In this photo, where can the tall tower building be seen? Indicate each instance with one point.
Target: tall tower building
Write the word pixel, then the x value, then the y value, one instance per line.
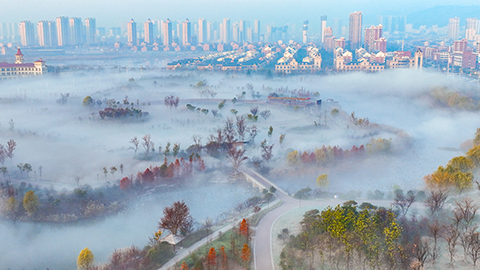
pixel 202 31
pixel 148 31
pixel 453 28
pixel 355 30
pixel 209 31
pixel 241 31
pixel 323 26
pixel 90 31
pixel 63 33
pixel 76 31
pixel 305 32
pixel 132 32
pixel 337 27
pixel 186 33
pixel 473 23
pixel 371 35
pixel 225 31
pixel 43 31
pixel 52 25
pixel 167 32
pixel 27 33
pixel 256 30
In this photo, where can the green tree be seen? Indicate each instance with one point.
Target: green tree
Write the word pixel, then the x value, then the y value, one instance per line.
pixel 85 259
pixel 30 202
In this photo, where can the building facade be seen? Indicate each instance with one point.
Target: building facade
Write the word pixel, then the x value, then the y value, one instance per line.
pixel 20 68
pixel 355 30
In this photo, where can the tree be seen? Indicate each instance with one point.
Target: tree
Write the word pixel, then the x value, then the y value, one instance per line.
pixel 237 157
pixel 147 143
pixel 177 218
pixel 322 181
pixel 85 259
pixel 436 200
pixel 27 167
pixel 175 149
pixel 105 172
pixel 245 254
pixel 87 101
pixel 30 202
pixel 241 125
pixel 223 257
pixel 474 155
pixel 184 266
pixel 211 258
pixel 266 151
pixel 244 228
pixel 11 144
pixel 3 154
pixel 135 143
pixel 113 170
pixel 265 114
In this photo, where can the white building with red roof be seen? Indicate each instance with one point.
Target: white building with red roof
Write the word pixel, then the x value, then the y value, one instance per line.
pixel 20 68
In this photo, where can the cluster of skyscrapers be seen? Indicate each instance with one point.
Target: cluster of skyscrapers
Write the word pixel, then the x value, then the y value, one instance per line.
pixel 63 31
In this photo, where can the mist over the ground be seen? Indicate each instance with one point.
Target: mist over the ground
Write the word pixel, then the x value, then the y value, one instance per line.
pixel 71 140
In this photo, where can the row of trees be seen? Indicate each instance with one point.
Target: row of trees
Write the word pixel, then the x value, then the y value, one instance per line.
pixel 325 155
pixel 149 146
pixel 175 170
pixel 8 151
pixel 453 99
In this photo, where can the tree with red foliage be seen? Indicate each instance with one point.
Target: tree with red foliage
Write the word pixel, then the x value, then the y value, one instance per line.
pixel 245 254
pixel 211 258
pixel 147 176
pixel 223 257
pixel 170 170
pixel 244 228
pixel 177 218
pixel 125 183
pixel 305 157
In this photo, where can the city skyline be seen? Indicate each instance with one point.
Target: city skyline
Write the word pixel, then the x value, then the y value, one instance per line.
pixel 281 12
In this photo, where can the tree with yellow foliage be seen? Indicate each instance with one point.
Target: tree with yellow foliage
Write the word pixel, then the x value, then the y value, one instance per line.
pixel 30 202
pixel 322 181
pixel 85 259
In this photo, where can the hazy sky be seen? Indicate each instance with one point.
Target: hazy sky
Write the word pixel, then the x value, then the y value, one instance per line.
pixel 111 12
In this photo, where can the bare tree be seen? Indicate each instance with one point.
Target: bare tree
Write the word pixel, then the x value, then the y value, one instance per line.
pixel 253 131
pixel 266 151
pixel 403 202
pixel 237 157
pixel 147 143
pixel 3 154
pixel 421 251
pixel 254 110
pixel 436 200
pixel 197 143
pixel 229 131
pixel 265 114
pixel 135 143
pixel 451 237
pixel 241 127
pixel 474 248
pixel 435 231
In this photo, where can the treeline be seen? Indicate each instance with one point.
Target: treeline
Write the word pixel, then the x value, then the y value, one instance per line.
pixel 328 154
pixel 453 99
pixel 179 169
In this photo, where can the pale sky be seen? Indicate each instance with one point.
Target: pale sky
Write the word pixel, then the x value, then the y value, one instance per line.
pixel 110 13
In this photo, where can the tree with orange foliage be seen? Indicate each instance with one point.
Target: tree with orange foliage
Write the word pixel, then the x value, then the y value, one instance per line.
pixel 125 183
pixel 184 266
pixel 223 257
pixel 245 254
pixel 211 258
pixel 244 228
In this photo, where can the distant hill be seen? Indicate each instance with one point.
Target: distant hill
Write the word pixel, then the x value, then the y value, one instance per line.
pixel 439 15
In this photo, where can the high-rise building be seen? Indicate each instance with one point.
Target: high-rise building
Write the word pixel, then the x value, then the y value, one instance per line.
pixel 27 33
pixel 323 26
pixel 132 32
pixel 148 31
pixel 63 31
pixel 371 35
pixel 241 31
pixel 186 33
pixel 167 32
pixel 337 27
pixel 209 32
pixel 460 45
pixel 76 31
pixel 235 32
pixel 305 32
pixel 453 28
pixel 90 31
pixel 355 30
pixel 380 45
pixel 202 31
pixel 43 31
pixel 52 25
pixel 225 31
pixel 256 30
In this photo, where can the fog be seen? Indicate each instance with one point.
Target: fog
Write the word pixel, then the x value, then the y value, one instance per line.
pixel 71 140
